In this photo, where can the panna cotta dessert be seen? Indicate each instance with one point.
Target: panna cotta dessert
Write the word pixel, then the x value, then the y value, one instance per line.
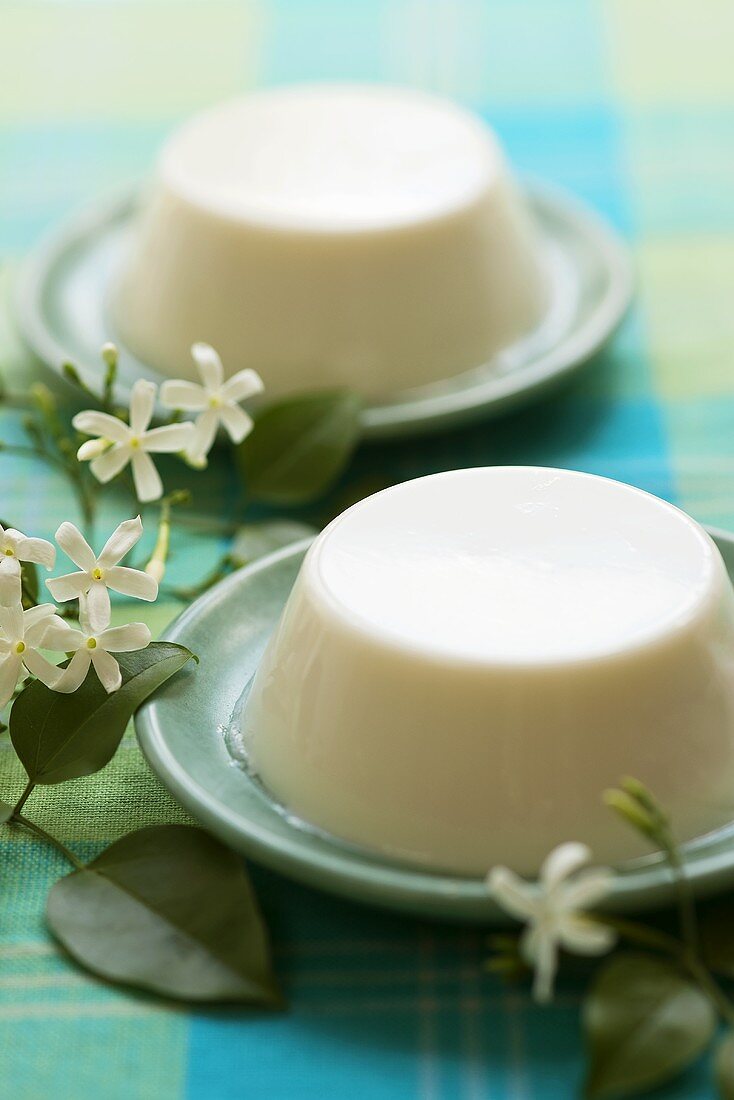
pixel 468 660
pixel 332 235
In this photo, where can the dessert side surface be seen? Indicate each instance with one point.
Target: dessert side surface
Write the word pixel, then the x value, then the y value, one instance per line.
pixel 332 235
pixel 468 660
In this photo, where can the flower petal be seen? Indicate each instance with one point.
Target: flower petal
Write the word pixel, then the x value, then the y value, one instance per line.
pixel 131 582
pixel 538 946
pixel 69 587
pixel 209 364
pixel 37 550
pixel 110 463
pixel 75 672
pixel 587 888
pixel 148 484
pixel 35 614
pixel 62 638
pixel 11 621
pixel 585 937
pixel 10 585
pixel 184 395
pixel 562 862
pixel 244 384
pixel 36 622
pixel 103 425
pixel 518 897
pixel 92 449
pixel 142 401
pixel 236 421
pixel 107 669
pixel 97 605
pixel 10 670
pixel 204 432
pixel 125 639
pixel 168 439
pixel 42 669
pixel 75 546
pixel 120 542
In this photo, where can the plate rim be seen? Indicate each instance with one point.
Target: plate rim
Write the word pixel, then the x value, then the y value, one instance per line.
pixel 642 884
pixel 425 413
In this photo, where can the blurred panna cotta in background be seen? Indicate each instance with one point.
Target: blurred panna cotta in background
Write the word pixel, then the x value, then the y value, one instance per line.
pixel 468 660
pixel 331 235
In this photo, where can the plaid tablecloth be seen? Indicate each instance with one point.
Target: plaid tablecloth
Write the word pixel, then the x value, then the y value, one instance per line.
pixel 628 103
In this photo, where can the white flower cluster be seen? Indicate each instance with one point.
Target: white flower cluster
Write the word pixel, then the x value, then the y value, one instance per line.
pixel 23 634
pixel 217 401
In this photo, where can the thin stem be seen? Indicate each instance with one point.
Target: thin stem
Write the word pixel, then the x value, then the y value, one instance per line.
pixel 640 933
pixel 39 832
pixel 68 466
pixel 217 574
pixel 32 452
pixel 686 903
pixel 205 524
pixel 23 798
pixel 16 400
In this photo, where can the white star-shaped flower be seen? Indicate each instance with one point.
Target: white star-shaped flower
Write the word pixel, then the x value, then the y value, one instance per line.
pixel 121 443
pixel 552 908
pixel 216 401
pixel 90 647
pixel 99 574
pixel 14 549
pixel 22 634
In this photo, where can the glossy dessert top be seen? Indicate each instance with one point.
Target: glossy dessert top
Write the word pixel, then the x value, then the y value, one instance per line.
pixel 515 564
pixel 332 157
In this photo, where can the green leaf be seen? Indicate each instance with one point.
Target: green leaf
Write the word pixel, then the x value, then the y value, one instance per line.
pixel 300 446
pixel 167 909
pixel 60 737
pixel 29 584
pixel 716 928
pixel 6 812
pixel 254 540
pixel 724 1067
pixel 644 1023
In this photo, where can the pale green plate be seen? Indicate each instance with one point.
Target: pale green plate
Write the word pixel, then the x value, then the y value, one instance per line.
pixel 182 731
pixel 63 294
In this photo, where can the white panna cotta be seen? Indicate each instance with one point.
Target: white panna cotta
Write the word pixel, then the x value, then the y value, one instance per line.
pixel 331 235
pixel 468 660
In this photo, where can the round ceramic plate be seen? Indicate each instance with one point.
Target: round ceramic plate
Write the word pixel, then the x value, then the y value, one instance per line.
pixel 185 729
pixel 64 290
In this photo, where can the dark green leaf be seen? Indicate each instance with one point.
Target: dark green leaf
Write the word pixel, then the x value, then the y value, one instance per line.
pixel 29 584
pixel 254 540
pixel 724 1067
pixel 60 737
pixel 6 812
pixel 352 493
pixel 717 935
pixel 645 1023
pixel 168 909
pixel 300 446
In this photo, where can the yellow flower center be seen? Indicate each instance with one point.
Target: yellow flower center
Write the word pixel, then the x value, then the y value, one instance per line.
pixel 97 574
pixel 134 442
pixel 91 643
pixel 215 401
pixel 20 647
pixel 9 552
